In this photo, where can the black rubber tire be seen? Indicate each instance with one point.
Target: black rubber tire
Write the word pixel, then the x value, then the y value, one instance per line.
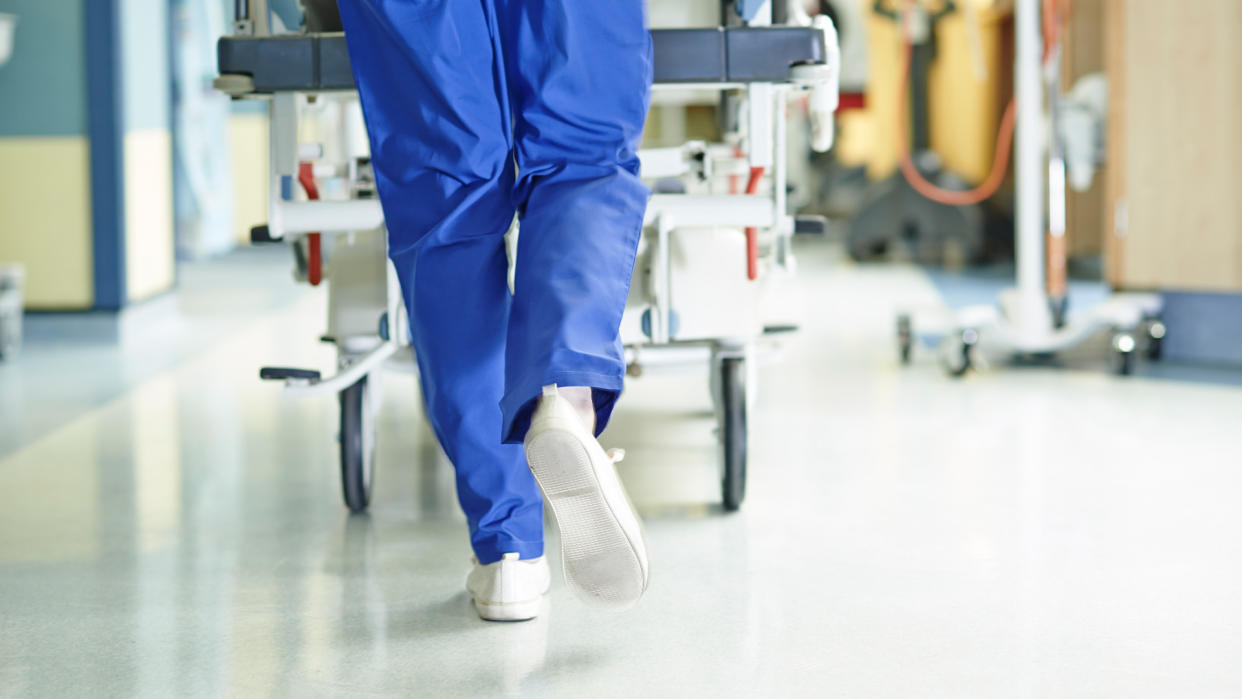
pixel 1059 307
pixel 1155 349
pixel 965 360
pixel 1124 363
pixel 1155 341
pixel 733 431
pixel 357 466
pixel 905 338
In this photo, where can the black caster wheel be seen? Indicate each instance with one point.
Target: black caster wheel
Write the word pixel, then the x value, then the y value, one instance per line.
pixel 357 446
pixel 958 353
pixel 1059 307
pixel 905 337
pixel 1155 339
pixel 733 431
pixel 1123 353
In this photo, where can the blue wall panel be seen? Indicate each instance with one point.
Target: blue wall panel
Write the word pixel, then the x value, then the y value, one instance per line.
pixel 43 87
pixel 144 44
pixel 1203 328
pixel 105 99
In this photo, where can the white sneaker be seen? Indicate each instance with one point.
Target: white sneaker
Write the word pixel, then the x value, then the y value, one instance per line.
pixel 602 546
pixel 509 589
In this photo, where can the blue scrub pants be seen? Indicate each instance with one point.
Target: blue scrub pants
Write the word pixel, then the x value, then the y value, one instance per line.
pixel 477 110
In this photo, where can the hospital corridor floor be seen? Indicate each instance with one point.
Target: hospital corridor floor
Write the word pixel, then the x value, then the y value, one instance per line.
pixel 169 525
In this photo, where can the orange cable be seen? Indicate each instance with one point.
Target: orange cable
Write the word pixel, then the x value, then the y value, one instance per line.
pixel 1056 15
pixel 1000 159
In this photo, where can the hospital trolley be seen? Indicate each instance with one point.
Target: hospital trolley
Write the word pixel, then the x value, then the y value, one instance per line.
pixel 717 234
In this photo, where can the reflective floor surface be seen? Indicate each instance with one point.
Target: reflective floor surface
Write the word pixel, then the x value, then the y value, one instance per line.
pixel 1025 532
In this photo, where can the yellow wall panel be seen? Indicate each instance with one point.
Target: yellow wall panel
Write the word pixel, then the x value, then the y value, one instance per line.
pixel 45 218
pixel 248 137
pixel 150 259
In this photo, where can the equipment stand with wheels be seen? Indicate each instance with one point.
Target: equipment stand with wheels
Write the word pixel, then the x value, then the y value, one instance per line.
pixel 1022 322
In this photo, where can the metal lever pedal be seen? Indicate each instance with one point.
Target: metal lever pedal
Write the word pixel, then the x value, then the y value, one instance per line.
pixel 280 373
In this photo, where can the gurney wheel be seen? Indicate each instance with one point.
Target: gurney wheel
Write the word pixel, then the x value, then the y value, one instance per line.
pixel 733 430
pixel 357 446
pixel 1124 345
pixel 905 337
pixel 957 352
pixel 1155 339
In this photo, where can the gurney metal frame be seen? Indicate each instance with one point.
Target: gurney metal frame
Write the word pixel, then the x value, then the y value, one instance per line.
pixel 764 62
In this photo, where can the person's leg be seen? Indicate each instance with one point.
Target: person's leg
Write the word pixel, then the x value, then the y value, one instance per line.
pixel 579 76
pixel 438 119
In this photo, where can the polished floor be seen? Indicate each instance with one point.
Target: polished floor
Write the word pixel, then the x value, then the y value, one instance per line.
pixel 1026 532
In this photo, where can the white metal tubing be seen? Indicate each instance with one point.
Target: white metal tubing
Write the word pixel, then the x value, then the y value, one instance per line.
pixel 675 356
pixel 1056 152
pixel 397 333
pixel 293 218
pixel 347 377
pixel 1056 196
pixel 260 18
pixel 667 93
pixel 1029 171
pixel 661 319
pixel 759 109
pixel 779 174
pixel 707 210
pixel 284 134
pixel 764 17
pixel 282 146
pixel 663 162
pixel 297 217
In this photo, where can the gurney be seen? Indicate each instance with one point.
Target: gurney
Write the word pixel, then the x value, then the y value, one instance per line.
pixel 698 210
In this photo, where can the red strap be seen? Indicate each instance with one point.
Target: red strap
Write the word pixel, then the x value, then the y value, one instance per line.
pixel 314 253
pixel 752 233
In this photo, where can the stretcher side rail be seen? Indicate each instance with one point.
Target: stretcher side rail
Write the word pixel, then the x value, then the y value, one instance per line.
pixel 252 65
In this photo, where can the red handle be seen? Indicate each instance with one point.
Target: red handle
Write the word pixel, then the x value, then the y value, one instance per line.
pixel 314 253
pixel 752 233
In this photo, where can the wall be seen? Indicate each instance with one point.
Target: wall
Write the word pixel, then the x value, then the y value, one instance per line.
pixel 45 183
pixel 1083 54
pixel 1203 328
pixel 147 147
pixel 85 152
pixel 1175 148
pixel 248 140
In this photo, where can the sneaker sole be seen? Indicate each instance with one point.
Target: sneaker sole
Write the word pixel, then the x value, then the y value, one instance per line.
pixel 513 611
pixel 601 540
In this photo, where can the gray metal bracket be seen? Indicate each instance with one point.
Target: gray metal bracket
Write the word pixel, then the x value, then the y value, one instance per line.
pixel 320 62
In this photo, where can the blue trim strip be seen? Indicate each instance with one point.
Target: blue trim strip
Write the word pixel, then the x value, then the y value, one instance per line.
pixel 173 135
pixel 104 104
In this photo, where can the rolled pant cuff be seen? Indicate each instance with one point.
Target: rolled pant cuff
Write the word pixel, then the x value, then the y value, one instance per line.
pixel 518 404
pixel 491 549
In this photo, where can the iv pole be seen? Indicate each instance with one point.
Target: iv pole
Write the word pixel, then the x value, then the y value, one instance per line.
pixel 1022 321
